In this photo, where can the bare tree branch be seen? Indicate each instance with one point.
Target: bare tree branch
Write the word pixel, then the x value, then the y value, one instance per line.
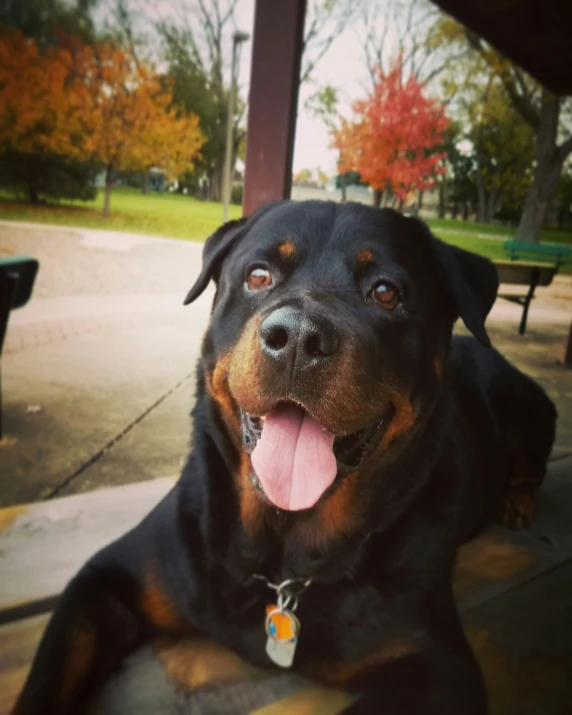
pixel 325 21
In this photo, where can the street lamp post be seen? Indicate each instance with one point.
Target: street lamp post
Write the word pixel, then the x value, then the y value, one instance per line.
pixel 237 39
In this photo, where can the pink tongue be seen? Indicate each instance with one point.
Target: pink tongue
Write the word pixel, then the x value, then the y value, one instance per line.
pixel 294 459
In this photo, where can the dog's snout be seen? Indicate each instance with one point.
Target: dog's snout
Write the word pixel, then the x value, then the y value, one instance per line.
pixel 292 336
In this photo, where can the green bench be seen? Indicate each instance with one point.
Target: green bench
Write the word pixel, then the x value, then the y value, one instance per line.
pixel 17 276
pixel 519 250
pixel 530 264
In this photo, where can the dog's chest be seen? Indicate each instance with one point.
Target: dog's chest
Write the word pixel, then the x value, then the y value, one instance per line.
pixel 332 625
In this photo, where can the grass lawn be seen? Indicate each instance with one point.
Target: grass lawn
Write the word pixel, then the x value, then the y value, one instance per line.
pixel 172 215
pixel 178 216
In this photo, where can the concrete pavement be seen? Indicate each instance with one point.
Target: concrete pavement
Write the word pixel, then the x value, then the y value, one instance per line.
pixel 107 352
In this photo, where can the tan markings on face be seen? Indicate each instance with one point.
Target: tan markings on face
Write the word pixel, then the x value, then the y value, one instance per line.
pixel 341 673
pixel 365 257
pixel 246 369
pixel 217 386
pixel 252 505
pixel 80 656
pixel 156 604
pixel 349 399
pixel 403 420
pixel 287 249
pixel 337 516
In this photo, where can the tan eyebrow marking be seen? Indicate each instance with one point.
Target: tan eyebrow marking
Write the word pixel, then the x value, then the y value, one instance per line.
pixel 364 257
pixel 287 249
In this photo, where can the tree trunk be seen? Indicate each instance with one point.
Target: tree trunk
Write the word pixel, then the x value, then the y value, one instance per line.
pixel 377 195
pixel 549 161
pixel 419 201
pixel 482 205
pixel 441 210
pixel 33 196
pixel 108 187
pixel 216 183
pixel 145 187
pixel 491 205
pixel 343 188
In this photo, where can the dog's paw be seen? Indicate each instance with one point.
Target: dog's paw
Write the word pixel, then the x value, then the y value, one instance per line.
pixel 517 509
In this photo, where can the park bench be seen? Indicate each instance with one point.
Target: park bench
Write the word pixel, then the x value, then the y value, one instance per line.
pixel 17 276
pixel 530 264
pixel 501 579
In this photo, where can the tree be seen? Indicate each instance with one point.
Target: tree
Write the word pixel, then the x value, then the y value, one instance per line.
pixel 49 23
pixel 457 186
pixel 392 139
pixel 546 114
pixel 325 21
pixel 504 153
pixel 323 104
pixel 405 28
pixel 33 105
pixel 194 43
pixel 122 115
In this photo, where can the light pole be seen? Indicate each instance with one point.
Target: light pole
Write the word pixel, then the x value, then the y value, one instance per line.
pixel 237 39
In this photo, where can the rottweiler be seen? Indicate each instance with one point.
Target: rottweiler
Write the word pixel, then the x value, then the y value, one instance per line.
pixel 344 445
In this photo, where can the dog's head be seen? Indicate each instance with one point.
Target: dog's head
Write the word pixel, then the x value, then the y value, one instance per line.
pixel 328 339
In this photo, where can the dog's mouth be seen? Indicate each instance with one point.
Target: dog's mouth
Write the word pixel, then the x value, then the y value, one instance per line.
pixel 296 459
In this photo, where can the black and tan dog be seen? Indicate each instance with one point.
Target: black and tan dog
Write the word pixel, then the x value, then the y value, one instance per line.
pixel 341 437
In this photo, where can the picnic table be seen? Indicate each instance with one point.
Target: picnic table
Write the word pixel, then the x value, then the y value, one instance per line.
pixel 17 276
pixel 529 264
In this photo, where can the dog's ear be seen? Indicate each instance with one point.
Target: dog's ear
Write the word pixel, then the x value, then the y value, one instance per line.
pixel 471 281
pixel 216 248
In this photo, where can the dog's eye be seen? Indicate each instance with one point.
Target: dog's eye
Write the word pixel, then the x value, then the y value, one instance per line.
pixel 258 278
pixel 385 294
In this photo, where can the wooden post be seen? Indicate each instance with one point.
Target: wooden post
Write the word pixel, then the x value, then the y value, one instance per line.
pixel 273 101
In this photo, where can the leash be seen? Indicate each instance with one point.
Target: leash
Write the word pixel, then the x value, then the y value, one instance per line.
pixel 281 624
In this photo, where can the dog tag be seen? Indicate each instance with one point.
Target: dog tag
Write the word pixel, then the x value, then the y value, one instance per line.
pixel 282 628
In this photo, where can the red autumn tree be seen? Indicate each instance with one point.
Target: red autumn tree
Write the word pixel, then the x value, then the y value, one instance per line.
pixel 392 138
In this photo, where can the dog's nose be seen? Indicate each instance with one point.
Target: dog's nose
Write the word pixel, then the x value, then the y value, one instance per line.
pixel 289 335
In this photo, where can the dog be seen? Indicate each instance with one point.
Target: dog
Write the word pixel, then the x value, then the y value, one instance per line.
pixel 344 446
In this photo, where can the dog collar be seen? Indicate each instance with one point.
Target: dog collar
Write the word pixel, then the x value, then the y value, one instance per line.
pixel 281 624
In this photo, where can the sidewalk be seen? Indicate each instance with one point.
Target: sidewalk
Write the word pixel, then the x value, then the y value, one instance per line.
pixel 98 369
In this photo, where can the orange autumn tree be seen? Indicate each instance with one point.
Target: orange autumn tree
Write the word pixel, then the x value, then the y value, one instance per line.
pixel 124 111
pixel 91 102
pixel 392 139
pixel 34 97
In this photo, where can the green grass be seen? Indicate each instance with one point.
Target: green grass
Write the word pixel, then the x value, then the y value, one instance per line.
pixel 472 236
pixel 473 227
pixel 178 216
pixel 172 215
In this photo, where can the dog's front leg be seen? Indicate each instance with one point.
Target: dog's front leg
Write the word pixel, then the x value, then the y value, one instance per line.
pixel 97 622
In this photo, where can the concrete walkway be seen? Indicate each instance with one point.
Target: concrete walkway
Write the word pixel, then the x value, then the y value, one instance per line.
pixel 98 368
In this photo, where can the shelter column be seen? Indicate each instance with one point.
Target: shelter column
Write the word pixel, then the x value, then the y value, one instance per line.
pixel 273 101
